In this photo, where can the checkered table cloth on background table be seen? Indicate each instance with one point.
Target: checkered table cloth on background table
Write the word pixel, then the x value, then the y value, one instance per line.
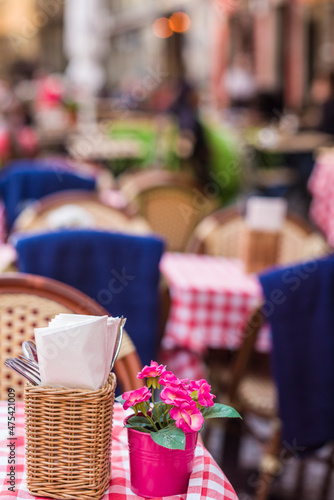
pixel 207 480
pixel 321 186
pixel 211 299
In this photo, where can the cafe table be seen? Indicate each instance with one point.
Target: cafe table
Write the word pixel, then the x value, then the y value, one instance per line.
pixel 211 300
pixel 96 146
pixel 207 480
pixel 270 140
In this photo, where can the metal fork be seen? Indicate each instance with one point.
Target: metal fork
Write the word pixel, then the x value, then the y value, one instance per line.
pixel 20 367
pixel 27 365
pixel 30 362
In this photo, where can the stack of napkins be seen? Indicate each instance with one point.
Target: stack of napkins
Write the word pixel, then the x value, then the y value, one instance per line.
pixel 75 351
pixel 265 214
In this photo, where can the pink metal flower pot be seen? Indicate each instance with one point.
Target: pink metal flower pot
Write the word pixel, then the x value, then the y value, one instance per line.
pixel 156 471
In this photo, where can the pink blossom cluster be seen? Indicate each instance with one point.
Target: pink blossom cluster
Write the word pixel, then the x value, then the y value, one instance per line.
pixel 185 399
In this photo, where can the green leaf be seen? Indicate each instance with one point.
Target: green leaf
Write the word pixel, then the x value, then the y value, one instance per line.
pixel 170 437
pixel 120 399
pixel 138 428
pixel 220 411
pixel 158 408
pixel 139 420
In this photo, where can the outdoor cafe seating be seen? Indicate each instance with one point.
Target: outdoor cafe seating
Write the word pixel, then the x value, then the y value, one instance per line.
pixel 25 302
pixel 202 277
pixel 119 271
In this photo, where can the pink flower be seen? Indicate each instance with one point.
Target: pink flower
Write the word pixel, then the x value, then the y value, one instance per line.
pixel 154 370
pixel 168 378
pixel 203 392
pixel 132 398
pixel 194 385
pixel 175 395
pixel 187 417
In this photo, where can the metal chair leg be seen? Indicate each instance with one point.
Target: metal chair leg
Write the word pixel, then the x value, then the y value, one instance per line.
pixel 270 465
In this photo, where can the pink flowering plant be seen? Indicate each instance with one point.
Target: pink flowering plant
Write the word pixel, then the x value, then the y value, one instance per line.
pixel 183 406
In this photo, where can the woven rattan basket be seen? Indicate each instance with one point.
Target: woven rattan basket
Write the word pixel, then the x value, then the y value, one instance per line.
pixel 68 440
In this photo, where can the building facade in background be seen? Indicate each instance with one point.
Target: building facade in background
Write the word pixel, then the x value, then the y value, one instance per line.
pixel 279 47
pixel 289 43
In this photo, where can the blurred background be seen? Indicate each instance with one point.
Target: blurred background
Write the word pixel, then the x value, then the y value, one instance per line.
pixel 220 77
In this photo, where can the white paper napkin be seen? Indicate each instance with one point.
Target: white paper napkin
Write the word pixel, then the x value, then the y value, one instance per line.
pixel 112 330
pixel 75 351
pixel 265 214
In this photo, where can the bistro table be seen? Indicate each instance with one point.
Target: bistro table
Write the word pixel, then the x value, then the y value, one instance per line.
pixel 272 141
pixel 98 147
pixel 211 299
pixel 207 480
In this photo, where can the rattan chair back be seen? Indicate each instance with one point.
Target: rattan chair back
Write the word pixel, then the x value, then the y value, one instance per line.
pixel 36 217
pixel 28 302
pixel 223 234
pixel 172 203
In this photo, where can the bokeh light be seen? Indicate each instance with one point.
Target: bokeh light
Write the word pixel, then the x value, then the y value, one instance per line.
pixel 179 22
pixel 161 27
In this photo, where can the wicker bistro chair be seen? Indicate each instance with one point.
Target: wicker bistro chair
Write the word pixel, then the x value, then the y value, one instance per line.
pixel 172 203
pixel 89 211
pixel 252 391
pixel 32 180
pixel 222 234
pixel 27 302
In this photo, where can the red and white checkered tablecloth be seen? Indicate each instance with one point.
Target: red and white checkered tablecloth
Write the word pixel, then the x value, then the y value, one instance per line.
pixel 207 480
pixel 321 186
pixel 211 299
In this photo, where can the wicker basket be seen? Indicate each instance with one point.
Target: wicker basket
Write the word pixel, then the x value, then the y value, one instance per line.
pixel 68 441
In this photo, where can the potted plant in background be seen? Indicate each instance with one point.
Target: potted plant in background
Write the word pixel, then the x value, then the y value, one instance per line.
pixel 163 434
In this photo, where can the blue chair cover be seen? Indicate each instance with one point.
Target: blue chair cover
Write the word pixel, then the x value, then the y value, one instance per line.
pixel 299 304
pixel 28 180
pixel 120 272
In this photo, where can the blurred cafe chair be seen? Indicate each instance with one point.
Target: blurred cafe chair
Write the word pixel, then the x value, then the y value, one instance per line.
pixel 30 301
pixel 222 233
pixel 75 209
pixel 119 271
pixel 172 203
pixel 294 392
pixel 26 182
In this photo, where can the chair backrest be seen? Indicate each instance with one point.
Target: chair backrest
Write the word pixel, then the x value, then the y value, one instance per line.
pixel 172 203
pixel 23 183
pixel 299 305
pixel 222 234
pixel 119 271
pixel 28 302
pixel 78 209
